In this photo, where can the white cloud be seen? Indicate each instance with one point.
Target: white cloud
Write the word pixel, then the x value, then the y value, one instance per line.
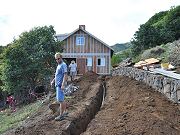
pixel 113 21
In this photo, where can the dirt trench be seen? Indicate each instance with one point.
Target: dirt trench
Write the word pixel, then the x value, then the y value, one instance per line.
pixel 86 114
pixel 133 108
pixel 83 106
pixel 129 108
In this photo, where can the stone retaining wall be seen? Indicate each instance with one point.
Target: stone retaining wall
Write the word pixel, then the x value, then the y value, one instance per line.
pixel 170 87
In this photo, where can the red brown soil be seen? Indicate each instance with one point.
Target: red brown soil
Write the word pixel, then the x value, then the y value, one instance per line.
pixel 132 108
pixel 84 83
pixel 43 123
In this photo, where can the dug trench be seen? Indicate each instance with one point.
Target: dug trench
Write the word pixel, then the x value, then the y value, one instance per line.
pixel 86 113
pixel 133 108
pixel 129 108
pixel 83 105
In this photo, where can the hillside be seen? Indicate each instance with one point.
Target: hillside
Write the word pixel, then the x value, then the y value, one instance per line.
pixel 121 47
pixel 132 108
pixel 129 108
pixel 161 28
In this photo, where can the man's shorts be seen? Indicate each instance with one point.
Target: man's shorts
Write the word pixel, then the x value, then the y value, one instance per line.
pixel 72 73
pixel 59 94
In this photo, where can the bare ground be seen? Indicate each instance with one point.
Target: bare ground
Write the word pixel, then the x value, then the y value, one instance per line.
pixel 43 123
pixel 130 108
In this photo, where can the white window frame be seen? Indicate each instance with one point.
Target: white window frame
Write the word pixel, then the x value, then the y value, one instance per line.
pixel 80 40
pixel 89 61
pixel 102 61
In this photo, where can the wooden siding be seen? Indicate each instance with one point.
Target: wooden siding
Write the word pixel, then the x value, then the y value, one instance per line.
pixel 92 48
pixel 94 64
pixel 91 45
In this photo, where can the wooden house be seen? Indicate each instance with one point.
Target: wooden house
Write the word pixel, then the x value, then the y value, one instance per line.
pixel 89 52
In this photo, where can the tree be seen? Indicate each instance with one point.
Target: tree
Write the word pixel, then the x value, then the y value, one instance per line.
pixel 29 60
pixel 120 56
pixel 161 28
pixel 1 61
pixel 146 37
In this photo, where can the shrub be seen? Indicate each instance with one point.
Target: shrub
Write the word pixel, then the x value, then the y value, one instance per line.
pixel 155 52
pixel 174 53
pixel 120 56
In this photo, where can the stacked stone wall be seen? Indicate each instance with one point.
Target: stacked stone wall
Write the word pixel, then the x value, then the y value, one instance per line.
pixel 170 87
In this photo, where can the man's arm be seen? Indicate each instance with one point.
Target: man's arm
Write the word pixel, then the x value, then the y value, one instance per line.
pixel 52 81
pixel 65 77
pixel 64 81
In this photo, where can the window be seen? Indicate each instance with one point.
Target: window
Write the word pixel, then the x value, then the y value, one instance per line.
pixel 80 40
pixel 101 61
pixel 89 62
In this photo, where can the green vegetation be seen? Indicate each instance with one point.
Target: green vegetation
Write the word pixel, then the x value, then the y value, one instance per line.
pixel 29 60
pixel 1 61
pixel 121 47
pixel 121 52
pixel 9 120
pixel 161 28
pixel 155 52
pixel 169 52
pixel 174 53
pixel 120 56
pixel 152 39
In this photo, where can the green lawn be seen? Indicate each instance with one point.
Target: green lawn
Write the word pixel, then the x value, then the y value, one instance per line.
pixel 9 120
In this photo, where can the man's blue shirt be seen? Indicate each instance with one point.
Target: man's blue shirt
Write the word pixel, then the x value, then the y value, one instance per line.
pixel 59 75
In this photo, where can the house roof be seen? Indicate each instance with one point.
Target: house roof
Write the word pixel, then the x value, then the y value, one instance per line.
pixel 62 36
pixel 88 34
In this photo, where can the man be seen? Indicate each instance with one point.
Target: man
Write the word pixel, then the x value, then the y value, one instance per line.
pixel 73 68
pixel 60 82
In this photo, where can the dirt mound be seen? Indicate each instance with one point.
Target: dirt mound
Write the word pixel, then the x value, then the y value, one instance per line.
pixel 84 84
pixel 42 123
pixel 90 76
pixel 132 108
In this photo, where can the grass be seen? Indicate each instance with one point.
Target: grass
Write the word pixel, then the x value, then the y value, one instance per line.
pixel 9 120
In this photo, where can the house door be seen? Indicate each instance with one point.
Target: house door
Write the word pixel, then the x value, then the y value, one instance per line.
pixel 81 65
pixel 89 64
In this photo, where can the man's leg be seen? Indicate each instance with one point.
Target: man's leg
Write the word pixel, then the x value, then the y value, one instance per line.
pixel 65 106
pixel 60 98
pixel 61 108
pixel 71 75
pixel 71 78
pixel 65 113
pixel 60 117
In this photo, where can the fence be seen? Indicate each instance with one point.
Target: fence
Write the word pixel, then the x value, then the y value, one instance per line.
pixel 170 87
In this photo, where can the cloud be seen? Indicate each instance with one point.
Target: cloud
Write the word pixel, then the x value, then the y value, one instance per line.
pixel 110 20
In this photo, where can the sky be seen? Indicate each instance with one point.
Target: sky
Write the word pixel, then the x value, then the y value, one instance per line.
pixel 112 21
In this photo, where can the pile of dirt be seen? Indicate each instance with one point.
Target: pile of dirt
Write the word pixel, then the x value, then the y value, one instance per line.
pixel 88 77
pixel 84 83
pixel 132 108
pixel 43 123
